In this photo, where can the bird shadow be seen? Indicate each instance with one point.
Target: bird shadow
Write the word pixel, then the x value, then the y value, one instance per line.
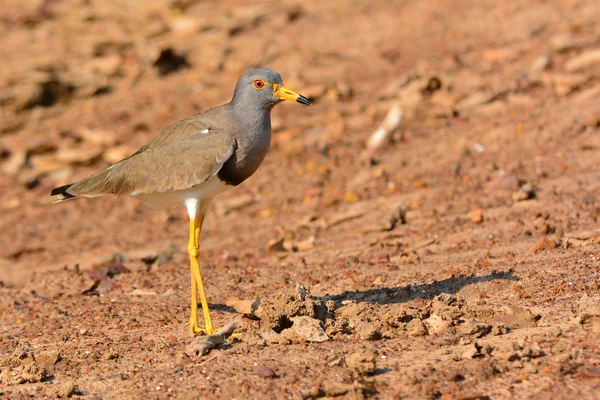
pixel 404 294
pixel 427 291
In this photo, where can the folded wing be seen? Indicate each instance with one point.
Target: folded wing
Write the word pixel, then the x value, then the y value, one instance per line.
pixel 184 155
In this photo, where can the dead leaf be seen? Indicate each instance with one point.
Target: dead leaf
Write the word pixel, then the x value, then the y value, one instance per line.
pixel 421 245
pixel 583 60
pixel 79 155
pixel 584 235
pixel 246 307
pixel 141 292
pixel 115 154
pixel 344 217
pixel 235 203
pixel 276 245
pixel 390 123
pixel 99 136
pixel 305 244
pixel 108 271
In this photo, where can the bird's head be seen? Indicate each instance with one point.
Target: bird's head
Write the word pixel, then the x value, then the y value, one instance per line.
pixel 263 87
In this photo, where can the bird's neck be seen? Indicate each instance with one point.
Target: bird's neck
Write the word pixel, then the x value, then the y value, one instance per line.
pixel 250 115
pixel 254 126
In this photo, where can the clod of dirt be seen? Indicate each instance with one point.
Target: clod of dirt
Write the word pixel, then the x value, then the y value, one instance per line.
pixel 47 358
pixel 525 192
pixel 66 390
pixel 10 376
pixel 446 310
pixel 368 331
pixel 110 353
pixel 437 324
pixel 266 372
pixel 505 183
pixel 472 351
pixel 515 351
pixel 309 328
pixel 336 361
pixel 589 312
pixel 530 352
pixel 362 362
pixel 396 216
pixel 22 355
pixel 27 373
pixel 476 216
pixel 475 328
pixel 202 345
pixel 545 244
pixel 517 317
pixel 416 328
pixel 578 239
pixel 276 314
pixel 170 61
pixel 333 389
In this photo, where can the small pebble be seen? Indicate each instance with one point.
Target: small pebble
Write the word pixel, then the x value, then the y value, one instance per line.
pixel 476 216
pixel 265 372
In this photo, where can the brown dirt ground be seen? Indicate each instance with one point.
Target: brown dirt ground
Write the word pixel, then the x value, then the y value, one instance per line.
pixel 488 290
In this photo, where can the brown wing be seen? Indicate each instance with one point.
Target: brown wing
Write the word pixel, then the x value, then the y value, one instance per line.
pixel 178 160
pixel 181 129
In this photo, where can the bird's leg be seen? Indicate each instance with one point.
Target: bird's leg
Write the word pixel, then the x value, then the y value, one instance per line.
pixel 197 284
pixel 208 326
pixel 194 252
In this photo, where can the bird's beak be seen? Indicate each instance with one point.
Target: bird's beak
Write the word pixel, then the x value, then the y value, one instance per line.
pixel 287 94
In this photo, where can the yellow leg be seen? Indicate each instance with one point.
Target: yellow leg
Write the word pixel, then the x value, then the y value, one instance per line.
pixel 193 322
pixel 196 278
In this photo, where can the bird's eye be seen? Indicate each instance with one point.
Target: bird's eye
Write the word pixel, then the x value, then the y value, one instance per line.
pixel 259 84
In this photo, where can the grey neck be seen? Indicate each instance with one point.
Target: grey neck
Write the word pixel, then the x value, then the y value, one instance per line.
pixel 250 114
pixel 253 137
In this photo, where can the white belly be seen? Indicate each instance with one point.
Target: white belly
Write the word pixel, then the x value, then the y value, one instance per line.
pixel 195 198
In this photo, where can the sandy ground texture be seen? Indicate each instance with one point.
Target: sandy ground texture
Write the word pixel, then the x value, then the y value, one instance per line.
pixel 455 257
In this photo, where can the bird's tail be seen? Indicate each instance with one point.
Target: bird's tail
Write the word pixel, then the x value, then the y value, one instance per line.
pixel 98 184
pixel 63 193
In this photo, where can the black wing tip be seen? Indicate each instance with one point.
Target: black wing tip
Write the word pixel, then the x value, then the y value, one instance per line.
pixel 62 191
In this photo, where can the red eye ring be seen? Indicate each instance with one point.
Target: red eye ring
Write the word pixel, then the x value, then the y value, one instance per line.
pixel 259 84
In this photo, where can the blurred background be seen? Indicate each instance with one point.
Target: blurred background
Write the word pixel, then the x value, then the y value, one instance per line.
pixel 446 137
pixel 84 84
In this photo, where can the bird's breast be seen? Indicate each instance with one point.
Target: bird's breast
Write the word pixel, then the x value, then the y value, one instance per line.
pixel 249 154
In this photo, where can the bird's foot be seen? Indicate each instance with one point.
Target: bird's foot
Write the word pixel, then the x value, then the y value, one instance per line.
pixel 195 328
pixel 192 324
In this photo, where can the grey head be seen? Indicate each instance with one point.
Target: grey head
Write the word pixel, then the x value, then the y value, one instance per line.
pixel 260 89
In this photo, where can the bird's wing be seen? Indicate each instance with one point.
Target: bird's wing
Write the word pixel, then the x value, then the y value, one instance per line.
pixel 181 130
pixel 182 162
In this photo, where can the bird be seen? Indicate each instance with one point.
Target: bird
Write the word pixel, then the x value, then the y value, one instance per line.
pixel 192 161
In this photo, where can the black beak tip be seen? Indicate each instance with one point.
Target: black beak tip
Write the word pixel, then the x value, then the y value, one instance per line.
pixel 304 100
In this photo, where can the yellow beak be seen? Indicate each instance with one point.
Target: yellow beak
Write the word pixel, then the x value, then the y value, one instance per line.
pixel 287 94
